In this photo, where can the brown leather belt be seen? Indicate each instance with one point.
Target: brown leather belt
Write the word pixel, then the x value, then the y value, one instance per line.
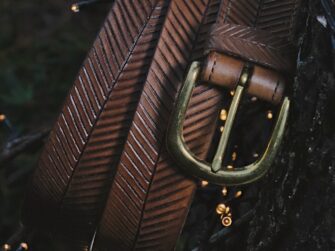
pixel 169 192
pixel 109 141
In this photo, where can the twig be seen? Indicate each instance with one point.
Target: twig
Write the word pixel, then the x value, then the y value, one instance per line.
pixel 19 145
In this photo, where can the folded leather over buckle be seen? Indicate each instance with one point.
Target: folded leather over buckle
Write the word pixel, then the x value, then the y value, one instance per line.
pixel 232 73
pixel 253 45
pixel 220 69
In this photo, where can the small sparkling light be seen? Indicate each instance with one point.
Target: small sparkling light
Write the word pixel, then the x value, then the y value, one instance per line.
pixel 232 93
pixel 221 128
pixel 229 167
pixel 224 191
pixel 223 115
pixel 255 155
pixel 2 117
pixel 234 156
pixel 221 208
pixel 6 247
pixel 244 78
pixel 227 210
pixel 227 221
pixel 238 194
pixel 204 183
pixel 24 246
pixel 75 8
pixel 253 99
pixel 269 115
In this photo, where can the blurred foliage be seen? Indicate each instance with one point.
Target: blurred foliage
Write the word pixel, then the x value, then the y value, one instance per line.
pixel 42 45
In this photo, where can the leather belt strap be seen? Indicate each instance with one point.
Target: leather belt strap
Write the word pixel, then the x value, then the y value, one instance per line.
pixel 253 45
pixel 257 31
pixel 242 30
pixel 150 197
pixel 71 182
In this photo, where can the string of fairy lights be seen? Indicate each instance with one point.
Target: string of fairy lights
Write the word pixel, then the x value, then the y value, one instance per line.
pixel 23 247
pixel 223 210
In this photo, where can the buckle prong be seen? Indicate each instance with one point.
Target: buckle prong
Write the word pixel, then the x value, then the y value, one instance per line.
pixel 218 158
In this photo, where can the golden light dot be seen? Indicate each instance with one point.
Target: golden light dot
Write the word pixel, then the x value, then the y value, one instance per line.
pixel 255 155
pixel 234 156
pixel 224 191
pixel 75 8
pixel 24 246
pixel 232 93
pixel 230 167
pixel 269 115
pixel 221 208
pixel 223 115
pixel 204 183
pixel 221 128
pixel 227 221
pixel 227 210
pixel 238 194
pixel 6 247
pixel 2 117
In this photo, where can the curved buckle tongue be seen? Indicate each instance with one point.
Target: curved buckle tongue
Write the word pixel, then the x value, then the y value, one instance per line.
pixel 214 172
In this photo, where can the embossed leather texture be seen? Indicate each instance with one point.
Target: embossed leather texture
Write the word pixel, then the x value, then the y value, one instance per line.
pixel 75 170
pixel 105 170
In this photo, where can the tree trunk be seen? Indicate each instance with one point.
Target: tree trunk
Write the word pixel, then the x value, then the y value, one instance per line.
pixel 293 207
pixel 296 203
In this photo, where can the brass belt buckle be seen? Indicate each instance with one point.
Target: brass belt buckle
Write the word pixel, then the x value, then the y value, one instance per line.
pixel 213 172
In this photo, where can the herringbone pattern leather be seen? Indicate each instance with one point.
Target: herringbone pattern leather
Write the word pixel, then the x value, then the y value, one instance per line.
pixel 260 31
pixel 253 45
pixel 150 198
pixel 105 167
pixel 79 159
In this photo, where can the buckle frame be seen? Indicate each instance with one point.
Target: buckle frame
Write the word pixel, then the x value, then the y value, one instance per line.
pixel 213 172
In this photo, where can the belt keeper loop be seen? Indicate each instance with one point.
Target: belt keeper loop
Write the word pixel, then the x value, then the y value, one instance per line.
pixel 220 69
